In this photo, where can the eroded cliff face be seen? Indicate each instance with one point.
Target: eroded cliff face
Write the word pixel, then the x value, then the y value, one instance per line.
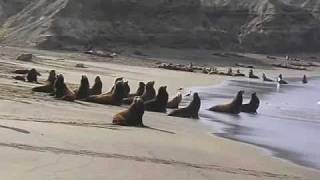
pixel 251 25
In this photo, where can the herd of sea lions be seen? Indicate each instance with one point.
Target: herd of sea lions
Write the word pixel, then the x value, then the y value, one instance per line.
pixel 144 99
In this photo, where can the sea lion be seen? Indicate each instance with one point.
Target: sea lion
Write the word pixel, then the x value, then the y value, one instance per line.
pixel 191 111
pixel 174 102
pixel 132 116
pixel 304 79
pixel 83 91
pixel 69 95
pixel 97 87
pixel 234 107
pixel 59 86
pixel 239 74
pixel 149 92
pixel 112 99
pixel 139 92
pixel 32 75
pixel 251 75
pixel 120 79
pixel 281 81
pixel 49 86
pixel 264 78
pixel 158 104
pixel 252 106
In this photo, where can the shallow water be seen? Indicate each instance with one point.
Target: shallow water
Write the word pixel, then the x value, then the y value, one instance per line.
pixel 287 123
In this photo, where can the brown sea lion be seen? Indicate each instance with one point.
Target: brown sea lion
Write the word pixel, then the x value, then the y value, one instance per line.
pixel 158 104
pixel 191 111
pixel 174 102
pixel 252 76
pixel 234 107
pixel 32 75
pixel 304 79
pixel 84 88
pixel 252 106
pixel 49 86
pixel 69 95
pixel 132 116
pixel 97 87
pixel 112 99
pixel 264 78
pixel 139 92
pixel 281 81
pixel 149 92
pixel 59 86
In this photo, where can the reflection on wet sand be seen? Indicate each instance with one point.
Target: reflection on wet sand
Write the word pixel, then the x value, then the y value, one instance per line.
pixel 287 122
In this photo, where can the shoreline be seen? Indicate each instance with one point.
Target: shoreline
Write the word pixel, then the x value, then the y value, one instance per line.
pixel 227 132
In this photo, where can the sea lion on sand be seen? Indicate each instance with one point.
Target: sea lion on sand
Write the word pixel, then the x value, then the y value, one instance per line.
pixel 132 116
pixel 158 104
pixel 59 86
pixel 83 91
pixel 126 89
pixel 304 79
pixel 191 111
pixel 251 75
pixel 139 92
pixel 264 78
pixel 49 86
pixel 281 81
pixel 234 107
pixel 97 87
pixel 239 74
pixel 252 106
pixel 32 75
pixel 112 99
pixel 149 92
pixel 174 102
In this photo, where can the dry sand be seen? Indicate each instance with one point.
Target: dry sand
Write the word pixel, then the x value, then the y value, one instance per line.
pixel 43 138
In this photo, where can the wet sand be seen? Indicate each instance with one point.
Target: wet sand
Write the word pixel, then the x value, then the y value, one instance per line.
pixel 287 122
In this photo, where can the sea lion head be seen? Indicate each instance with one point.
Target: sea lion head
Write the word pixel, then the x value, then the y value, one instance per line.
pixel 35 72
pixel 97 79
pixel 136 112
pixel 119 90
pixel 142 84
pixel 254 102
pixel 150 84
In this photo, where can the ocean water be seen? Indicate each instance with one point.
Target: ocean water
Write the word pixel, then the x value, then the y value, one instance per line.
pixel 287 123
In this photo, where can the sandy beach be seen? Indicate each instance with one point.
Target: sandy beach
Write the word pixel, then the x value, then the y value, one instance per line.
pixel 44 138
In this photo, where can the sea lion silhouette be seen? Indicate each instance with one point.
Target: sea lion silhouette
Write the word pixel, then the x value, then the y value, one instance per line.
pixel 251 75
pixel 264 78
pixel 158 104
pixel 191 111
pixel 281 81
pixel 97 87
pixel 132 116
pixel 32 75
pixel 149 92
pixel 174 102
pixel 49 86
pixel 84 89
pixel 252 106
pixel 304 79
pixel 234 107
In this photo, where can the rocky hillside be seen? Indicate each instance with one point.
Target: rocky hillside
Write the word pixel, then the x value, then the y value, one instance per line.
pixel 250 25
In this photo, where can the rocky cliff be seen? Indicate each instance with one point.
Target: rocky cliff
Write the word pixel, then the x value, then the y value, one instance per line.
pixel 250 25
